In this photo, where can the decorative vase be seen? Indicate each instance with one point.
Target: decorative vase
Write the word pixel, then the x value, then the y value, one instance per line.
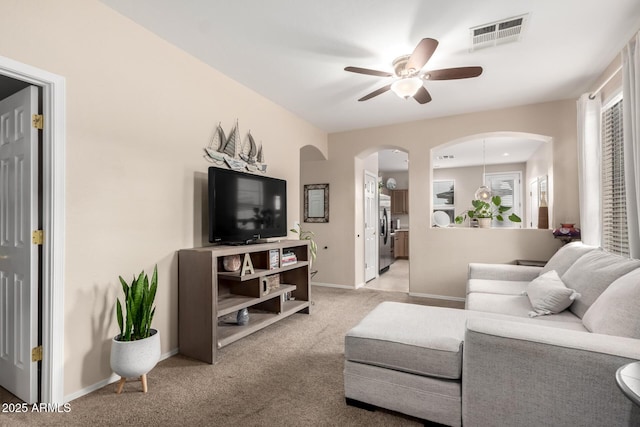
pixel 484 222
pixel 132 359
pixel 231 262
pixel 543 211
pixel 242 317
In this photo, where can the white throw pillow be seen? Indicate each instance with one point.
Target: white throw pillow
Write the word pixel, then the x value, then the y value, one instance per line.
pixel 548 294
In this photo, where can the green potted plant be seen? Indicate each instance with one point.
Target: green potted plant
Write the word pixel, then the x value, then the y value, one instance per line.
pixel 136 349
pixel 307 235
pixel 485 212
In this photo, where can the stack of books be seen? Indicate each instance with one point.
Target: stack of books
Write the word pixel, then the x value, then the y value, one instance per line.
pixel 288 258
pixel 274 259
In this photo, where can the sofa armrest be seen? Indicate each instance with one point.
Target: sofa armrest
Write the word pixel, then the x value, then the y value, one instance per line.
pixel 503 271
pixel 538 375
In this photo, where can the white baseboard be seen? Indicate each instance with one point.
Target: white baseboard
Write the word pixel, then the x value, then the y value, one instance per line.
pixel 113 378
pixel 443 297
pixel 332 285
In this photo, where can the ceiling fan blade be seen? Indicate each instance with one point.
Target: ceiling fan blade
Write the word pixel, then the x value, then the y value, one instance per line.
pixel 368 71
pixel 422 95
pixel 453 73
pixel 421 54
pixel 375 93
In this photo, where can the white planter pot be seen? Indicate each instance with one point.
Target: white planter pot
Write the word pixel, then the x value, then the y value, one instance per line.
pixel 484 222
pixel 131 359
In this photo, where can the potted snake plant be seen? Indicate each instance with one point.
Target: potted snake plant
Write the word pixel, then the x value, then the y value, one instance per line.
pixel 136 349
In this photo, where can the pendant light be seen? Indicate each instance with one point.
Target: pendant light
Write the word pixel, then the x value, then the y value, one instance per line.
pixel 483 192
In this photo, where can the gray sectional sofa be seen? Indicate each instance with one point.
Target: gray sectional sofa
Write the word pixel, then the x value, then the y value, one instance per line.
pixel 535 346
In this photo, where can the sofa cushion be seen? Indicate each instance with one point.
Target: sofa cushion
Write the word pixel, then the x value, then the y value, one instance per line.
pixel 503 287
pixel 616 311
pixel 592 273
pixel 565 257
pixel 518 307
pixel 549 295
pixel 410 338
pixel 426 340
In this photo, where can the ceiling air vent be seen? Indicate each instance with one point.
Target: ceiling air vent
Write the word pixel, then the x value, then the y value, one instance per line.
pixel 496 33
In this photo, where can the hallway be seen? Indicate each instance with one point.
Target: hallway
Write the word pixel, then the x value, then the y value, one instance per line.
pixel 395 279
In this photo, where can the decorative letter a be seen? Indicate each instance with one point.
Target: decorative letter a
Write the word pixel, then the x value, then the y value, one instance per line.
pixel 247 266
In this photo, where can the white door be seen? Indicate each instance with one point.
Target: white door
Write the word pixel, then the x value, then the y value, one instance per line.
pixel 370 226
pixel 18 255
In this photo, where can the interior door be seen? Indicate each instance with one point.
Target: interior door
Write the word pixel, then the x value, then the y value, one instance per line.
pixel 370 226
pixel 18 255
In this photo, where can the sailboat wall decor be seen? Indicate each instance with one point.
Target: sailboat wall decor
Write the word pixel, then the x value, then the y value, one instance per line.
pixel 234 152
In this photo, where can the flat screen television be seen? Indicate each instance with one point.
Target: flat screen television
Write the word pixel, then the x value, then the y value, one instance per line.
pixel 244 208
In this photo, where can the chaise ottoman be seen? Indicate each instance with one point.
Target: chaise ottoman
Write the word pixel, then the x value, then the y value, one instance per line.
pixel 408 358
pixel 384 357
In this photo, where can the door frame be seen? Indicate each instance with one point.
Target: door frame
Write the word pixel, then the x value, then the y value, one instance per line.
pixel 53 222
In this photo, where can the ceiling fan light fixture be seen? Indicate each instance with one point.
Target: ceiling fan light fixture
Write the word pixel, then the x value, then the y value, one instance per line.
pixel 407 87
pixel 407 69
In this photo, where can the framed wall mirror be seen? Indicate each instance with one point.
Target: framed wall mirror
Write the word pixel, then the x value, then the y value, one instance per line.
pixel 316 203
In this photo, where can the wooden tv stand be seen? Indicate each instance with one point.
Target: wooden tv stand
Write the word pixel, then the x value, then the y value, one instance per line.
pixel 207 293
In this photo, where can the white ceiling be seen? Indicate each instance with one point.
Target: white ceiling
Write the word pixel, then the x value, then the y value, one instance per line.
pixel 294 51
pixel 393 160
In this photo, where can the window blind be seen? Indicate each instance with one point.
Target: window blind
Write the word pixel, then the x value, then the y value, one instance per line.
pixel 614 206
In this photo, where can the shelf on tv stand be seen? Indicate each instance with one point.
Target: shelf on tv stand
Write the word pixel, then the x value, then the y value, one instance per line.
pixel 229 333
pixel 235 275
pixel 229 303
pixel 207 293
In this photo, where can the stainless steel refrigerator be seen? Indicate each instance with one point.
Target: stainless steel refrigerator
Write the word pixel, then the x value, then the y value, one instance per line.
pixel 384 232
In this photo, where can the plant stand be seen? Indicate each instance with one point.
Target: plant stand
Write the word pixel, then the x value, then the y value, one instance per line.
pixel 143 379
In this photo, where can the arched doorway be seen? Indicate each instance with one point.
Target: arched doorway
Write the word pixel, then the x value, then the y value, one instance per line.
pixel 389 167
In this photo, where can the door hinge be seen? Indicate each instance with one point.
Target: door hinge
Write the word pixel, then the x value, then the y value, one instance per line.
pixel 37 120
pixel 36 354
pixel 37 237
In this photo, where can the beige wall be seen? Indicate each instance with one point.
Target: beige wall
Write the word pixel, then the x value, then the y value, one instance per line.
pixel 139 111
pixel 439 257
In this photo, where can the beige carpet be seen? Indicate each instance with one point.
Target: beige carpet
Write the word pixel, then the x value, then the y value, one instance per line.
pixel 289 374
